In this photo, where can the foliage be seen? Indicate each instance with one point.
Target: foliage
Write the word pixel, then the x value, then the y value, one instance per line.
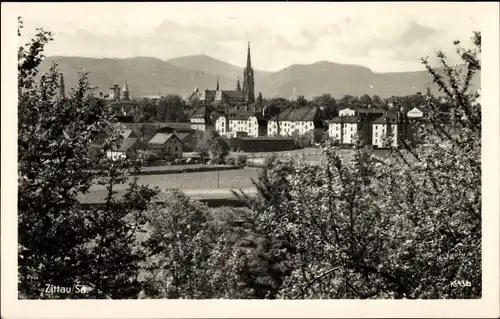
pixel 365 100
pixel 241 160
pixel 213 145
pixel 61 243
pixel 170 108
pixel 231 160
pixel 190 251
pixel 303 140
pixel 329 102
pixel 403 227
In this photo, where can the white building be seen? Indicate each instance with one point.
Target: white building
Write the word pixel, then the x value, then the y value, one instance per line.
pixel 222 125
pixel 257 125
pixel 415 113
pixel 347 112
pixel 128 148
pixel 391 126
pixel 300 120
pixel 345 128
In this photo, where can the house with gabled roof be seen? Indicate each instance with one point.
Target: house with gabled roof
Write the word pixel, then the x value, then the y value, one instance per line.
pixel 128 133
pixel 200 119
pixel 167 145
pixel 291 120
pixel 238 118
pixel 257 123
pixel 128 148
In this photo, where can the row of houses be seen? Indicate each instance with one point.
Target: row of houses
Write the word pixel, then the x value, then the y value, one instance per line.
pixel 168 142
pixel 372 126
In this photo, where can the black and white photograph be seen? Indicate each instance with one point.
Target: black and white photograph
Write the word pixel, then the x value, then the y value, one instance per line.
pixel 251 151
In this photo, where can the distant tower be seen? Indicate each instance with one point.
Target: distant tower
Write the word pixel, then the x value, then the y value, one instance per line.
pixel 248 80
pixel 126 92
pixel 217 88
pixel 114 92
pixel 238 87
pixel 62 91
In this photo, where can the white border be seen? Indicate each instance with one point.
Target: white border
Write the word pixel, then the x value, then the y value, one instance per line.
pixel 488 306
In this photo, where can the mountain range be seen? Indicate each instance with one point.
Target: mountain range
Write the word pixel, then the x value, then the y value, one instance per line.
pixel 147 76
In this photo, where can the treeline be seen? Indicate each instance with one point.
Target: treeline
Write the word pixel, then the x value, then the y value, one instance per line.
pixel 173 108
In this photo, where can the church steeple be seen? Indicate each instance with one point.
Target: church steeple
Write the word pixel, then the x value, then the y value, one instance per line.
pixel 217 88
pixel 249 60
pixel 238 87
pixel 248 80
pixel 126 92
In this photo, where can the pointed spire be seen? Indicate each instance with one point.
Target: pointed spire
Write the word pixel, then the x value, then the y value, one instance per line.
pixel 217 88
pixel 249 62
pixel 126 92
pixel 238 87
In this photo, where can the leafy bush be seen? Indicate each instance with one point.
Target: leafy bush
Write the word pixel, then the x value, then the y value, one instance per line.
pixel 211 144
pixel 303 140
pixel 241 160
pixel 230 160
pixel 60 242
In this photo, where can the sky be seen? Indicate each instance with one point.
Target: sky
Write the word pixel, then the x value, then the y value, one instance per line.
pixel 385 37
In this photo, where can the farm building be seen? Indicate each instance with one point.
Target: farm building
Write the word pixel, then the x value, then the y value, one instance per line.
pixel 128 148
pixel 166 145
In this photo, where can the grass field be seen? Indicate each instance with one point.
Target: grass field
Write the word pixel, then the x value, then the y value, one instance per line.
pixel 239 178
pixel 207 185
pixel 305 151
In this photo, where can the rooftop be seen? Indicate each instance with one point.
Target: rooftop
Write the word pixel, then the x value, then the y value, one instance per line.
pixel 127 143
pixel 161 138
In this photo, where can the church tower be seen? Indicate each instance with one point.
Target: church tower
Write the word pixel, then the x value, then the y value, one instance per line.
pixel 217 88
pixel 238 87
pixel 62 90
pixel 126 92
pixel 248 80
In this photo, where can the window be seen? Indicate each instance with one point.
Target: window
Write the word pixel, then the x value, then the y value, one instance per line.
pixel 168 148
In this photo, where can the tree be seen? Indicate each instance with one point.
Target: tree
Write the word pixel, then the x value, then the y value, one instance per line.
pixel 348 101
pixel 365 100
pixel 328 101
pixel 171 109
pixel 377 101
pixel 263 256
pixel 190 253
pixel 59 241
pixel 301 101
pixel 213 145
pixel 405 226
pixel 303 140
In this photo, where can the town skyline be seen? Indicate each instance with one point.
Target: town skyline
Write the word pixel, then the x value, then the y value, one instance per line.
pixel 382 37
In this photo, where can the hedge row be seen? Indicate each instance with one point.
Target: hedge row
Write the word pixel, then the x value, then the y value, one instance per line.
pixel 187 170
